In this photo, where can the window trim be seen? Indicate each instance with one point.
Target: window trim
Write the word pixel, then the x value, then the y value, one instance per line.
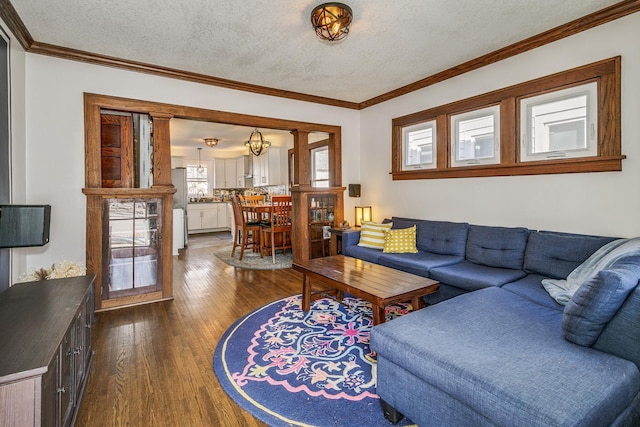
pixel 609 158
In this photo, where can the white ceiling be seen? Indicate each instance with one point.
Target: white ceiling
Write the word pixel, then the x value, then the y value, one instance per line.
pixel 271 43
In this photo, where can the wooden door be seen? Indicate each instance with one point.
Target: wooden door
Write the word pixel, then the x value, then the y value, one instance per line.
pixel 116 151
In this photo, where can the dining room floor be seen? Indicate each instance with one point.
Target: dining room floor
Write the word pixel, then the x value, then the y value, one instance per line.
pixel 205 240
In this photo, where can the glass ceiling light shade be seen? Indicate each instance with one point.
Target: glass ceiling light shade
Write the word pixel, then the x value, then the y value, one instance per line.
pixel 211 142
pixel 200 169
pixel 256 143
pixel 331 21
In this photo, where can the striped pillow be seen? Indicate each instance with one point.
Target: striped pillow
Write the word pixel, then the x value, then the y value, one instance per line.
pixel 372 234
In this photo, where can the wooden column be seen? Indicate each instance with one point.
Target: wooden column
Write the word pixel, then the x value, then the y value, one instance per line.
pixel 302 159
pixel 161 149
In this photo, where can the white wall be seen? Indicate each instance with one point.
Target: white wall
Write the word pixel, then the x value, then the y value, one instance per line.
pixel 55 133
pixel 596 203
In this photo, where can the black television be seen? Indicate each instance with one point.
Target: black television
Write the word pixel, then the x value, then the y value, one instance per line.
pixel 24 225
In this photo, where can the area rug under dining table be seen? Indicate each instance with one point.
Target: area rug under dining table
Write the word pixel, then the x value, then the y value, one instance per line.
pixel 252 261
pixel 288 367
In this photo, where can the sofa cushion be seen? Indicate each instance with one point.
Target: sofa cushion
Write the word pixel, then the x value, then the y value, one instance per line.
pixel 399 223
pixel 469 276
pixel 561 290
pixel 419 263
pixel 530 287
pixel 372 234
pixel 497 246
pixel 365 254
pixel 400 241
pixel 621 336
pixel 505 358
pixel 598 299
pixel 442 237
pixel 555 255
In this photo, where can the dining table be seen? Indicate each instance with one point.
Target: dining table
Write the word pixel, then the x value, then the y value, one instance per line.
pixel 261 211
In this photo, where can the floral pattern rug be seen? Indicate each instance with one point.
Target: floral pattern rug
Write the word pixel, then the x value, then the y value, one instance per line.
pixel 290 367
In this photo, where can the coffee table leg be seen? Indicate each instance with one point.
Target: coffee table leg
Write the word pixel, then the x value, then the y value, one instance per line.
pixel 306 293
pixel 378 314
pixel 417 303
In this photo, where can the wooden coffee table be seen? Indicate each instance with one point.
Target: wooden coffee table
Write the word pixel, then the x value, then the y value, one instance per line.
pixel 379 285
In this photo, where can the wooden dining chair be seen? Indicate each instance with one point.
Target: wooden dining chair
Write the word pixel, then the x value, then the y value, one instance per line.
pixel 246 233
pixel 277 235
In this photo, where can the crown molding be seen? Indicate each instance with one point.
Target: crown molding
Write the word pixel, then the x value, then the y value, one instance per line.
pixel 17 27
pixel 15 24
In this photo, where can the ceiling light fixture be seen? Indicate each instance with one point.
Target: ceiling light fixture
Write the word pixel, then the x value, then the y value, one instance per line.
pixel 332 21
pixel 256 143
pixel 200 169
pixel 211 142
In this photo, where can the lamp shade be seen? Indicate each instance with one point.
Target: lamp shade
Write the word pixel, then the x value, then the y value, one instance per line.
pixel 363 213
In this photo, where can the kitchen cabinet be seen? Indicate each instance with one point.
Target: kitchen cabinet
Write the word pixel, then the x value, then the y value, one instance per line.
pixel 266 168
pixel 243 168
pixel 42 376
pixel 205 217
pixel 225 175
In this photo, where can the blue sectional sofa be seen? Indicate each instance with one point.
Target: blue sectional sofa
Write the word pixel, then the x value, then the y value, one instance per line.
pixel 493 348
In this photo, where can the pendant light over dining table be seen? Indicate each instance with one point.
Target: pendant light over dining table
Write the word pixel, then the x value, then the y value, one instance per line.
pixel 200 169
pixel 256 143
pixel 332 21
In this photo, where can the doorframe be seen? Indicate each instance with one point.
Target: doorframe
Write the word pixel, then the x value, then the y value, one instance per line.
pixel 162 187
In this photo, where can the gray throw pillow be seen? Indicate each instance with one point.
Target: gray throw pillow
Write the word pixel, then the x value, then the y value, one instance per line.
pixel 597 300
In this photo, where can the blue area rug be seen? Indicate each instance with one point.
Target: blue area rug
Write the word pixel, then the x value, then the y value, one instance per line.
pixel 288 367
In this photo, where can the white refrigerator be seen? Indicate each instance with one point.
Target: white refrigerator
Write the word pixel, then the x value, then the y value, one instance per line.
pixel 180 200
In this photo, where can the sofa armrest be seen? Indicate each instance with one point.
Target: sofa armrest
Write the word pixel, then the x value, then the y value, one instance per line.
pixel 350 238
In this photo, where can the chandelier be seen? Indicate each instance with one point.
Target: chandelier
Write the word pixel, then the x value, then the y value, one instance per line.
pixel 331 21
pixel 211 142
pixel 256 143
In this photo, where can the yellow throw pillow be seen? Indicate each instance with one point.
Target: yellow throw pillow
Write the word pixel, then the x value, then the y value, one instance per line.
pixel 372 234
pixel 400 241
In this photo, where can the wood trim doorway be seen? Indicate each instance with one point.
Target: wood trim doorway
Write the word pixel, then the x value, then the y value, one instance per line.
pixel 161 114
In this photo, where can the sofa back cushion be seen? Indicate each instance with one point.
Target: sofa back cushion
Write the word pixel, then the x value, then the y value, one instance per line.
pixel 597 300
pixel 555 255
pixel 438 237
pixel 497 246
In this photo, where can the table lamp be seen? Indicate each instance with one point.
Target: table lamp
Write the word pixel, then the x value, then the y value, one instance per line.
pixel 363 213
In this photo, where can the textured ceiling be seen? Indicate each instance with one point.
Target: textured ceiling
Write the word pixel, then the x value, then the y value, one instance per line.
pixel 271 43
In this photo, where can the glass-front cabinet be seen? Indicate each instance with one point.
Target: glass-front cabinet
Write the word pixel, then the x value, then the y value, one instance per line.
pixel 321 220
pixel 129 201
pixel 132 229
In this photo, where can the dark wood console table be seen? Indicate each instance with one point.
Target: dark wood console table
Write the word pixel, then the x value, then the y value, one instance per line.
pixel 45 336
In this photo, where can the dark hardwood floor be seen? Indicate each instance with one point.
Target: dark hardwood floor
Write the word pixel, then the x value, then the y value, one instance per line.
pixel 152 364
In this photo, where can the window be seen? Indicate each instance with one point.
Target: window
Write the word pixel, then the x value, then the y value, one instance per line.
pixel 475 137
pixel 320 167
pixel 567 122
pixel 197 180
pixel 418 146
pixel 561 123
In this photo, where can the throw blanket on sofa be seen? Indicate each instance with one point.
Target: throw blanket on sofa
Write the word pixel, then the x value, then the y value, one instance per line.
pixel 606 256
